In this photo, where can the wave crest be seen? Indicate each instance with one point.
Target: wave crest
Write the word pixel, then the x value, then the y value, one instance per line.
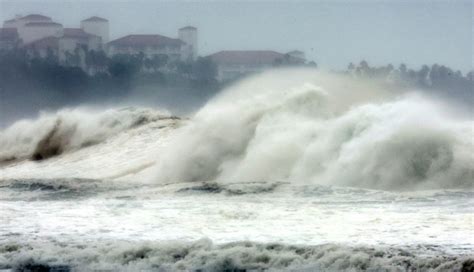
pixel 69 129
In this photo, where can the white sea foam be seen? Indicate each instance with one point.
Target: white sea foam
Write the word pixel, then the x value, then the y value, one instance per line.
pixel 203 255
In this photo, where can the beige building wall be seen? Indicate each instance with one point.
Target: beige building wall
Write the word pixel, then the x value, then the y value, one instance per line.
pixel 98 28
pixel 31 33
pixel 189 36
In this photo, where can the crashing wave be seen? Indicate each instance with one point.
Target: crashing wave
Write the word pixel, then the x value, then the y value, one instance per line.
pixel 287 126
pixel 69 129
pixel 300 126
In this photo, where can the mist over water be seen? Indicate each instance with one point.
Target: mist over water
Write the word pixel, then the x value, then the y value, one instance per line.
pixel 310 127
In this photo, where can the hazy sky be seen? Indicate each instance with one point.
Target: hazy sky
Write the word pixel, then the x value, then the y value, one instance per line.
pixel 333 33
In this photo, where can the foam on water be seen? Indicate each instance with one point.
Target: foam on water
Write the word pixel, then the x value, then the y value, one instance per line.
pixel 203 255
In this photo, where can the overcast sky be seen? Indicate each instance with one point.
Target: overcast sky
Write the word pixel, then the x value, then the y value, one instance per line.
pixel 333 33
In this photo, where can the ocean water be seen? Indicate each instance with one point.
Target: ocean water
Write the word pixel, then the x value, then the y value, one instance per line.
pixel 287 171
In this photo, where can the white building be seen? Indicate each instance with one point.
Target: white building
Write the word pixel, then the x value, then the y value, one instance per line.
pixel 184 48
pixel 189 36
pixel 77 37
pixel 20 21
pixel 96 26
pixel 38 30
pixel 234 64
pixel 70 48
pixel 34 27
pixel 43 37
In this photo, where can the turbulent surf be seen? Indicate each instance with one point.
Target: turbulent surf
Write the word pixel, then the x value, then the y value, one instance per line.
pixel 288 170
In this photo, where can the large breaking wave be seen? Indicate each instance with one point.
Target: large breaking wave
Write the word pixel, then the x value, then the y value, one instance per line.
pixel 69 129
pixel 294 126
pixel 301 126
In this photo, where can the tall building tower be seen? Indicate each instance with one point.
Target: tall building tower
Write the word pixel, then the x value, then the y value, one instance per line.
pixel 188 35
pixel 97 26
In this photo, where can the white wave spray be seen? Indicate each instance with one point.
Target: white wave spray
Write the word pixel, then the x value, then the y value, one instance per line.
pixel 302 126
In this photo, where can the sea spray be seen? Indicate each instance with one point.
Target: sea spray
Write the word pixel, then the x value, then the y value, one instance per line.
pixel 306 126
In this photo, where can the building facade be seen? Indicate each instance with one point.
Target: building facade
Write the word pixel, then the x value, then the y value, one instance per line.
pixel 97 26
pixel 38 30
pixel 70 49
pixel 189 36
pixel 184 48
pixel 35 27
pixel 41 37
pixel 149 45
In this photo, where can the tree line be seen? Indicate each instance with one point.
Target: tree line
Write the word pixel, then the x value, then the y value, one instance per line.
pixel 31 82
pixel 438 79
pixel 97 73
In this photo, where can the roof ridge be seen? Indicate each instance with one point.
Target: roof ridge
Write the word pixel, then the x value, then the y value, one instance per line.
pixel 95 18
pixel 42 23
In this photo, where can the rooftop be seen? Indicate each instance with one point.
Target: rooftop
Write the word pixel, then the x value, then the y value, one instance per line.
pixel 188 28
pixel 143 40
pixel 246 57
pixel 37 17
pixel 95 19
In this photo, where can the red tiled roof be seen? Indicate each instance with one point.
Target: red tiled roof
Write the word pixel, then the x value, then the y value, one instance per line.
pixel 36 17
pixel 246 57
pixel 44 43
pixel 8 34
pixel 95 19
pixel 43 24
pixel 145 40
pixel 76 33
pixel 188 28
